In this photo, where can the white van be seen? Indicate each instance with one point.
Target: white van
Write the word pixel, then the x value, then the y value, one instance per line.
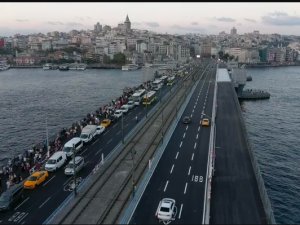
pixel 56 161
pixel 68 147
pixel 88 133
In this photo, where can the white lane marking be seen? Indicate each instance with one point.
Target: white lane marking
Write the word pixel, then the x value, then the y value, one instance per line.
pixel 198 128
pixel 186 127
pixel 172 169
pixel 191 114
pixel 67 181
pixel 95 142
pixel 197 136
pixel 180 144
pixel 106 132
pixel 183 135
pixel 118 132
pixel 180 211
pixel 110 140
pixel 192 157
pixel 48 181
pixel 176 155
pixel 22 203
pixel 185 188
pixel 166 186
pixel 98 151
pixel 189 170
pixel 23 222
pixel 44 202
pixel 195 145
pixel 192 177
pixel 193 111
pixel 115 125
pixel 81 153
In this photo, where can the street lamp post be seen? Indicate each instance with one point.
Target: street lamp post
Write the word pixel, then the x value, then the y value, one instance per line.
pixel 74 169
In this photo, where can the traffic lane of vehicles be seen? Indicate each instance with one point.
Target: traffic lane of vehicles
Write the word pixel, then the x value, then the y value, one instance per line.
pixel 159 181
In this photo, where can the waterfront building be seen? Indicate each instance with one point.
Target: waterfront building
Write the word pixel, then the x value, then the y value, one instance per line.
pixel 233 31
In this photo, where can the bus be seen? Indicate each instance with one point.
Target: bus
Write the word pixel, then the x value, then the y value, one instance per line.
pixel 171 80
pixel 149 98
pixel 157 84
pixel 137 96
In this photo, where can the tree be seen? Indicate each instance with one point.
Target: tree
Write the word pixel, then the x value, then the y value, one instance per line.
pixel 106 59
pixel 119 59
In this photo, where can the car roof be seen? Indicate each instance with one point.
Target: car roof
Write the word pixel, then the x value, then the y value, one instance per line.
pixel 36 173
pixel 57 154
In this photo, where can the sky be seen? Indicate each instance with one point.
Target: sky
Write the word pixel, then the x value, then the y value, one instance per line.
pixel 172 18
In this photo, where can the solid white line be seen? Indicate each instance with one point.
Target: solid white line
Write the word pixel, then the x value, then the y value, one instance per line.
pixel 95 142
pixel 180 211
pixel 48 181
pixel 176 155
pixel 197 136
pixel 44 202
pixel 166 186
pixel 192 157
pixel 189 170
pixel 183 135
pixel 172 169
pixel 195 145
pixel 180 144
pixel 185 188
pixel 22 203
pixel 186 127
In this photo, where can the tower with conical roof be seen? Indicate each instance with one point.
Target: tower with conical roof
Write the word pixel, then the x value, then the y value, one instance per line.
pixel 127 24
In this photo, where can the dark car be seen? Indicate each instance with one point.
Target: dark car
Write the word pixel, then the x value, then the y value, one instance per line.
pixel 11 196
pixel 186 120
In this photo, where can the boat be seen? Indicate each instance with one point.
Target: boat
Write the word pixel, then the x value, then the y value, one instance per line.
pixel 4 66
pixel 64 67
pixel 130 67
pixel 77 66
pixel 49 66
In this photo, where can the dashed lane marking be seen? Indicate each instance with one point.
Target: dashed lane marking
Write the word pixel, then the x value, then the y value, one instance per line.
pixel 176 155
pixel 166 186
pixel 189 170
pixel 185 188
pixel 44 202
pixel 48 181
pixel 172 169
pixel 22 203
pixel 183 135
pixel 195 145
pixel 180 211
pixel 192 157
pixel 180 144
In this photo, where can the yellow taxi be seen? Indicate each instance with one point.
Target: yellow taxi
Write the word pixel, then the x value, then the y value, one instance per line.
pixel 35 179
pixel 105 123
pixel 205 122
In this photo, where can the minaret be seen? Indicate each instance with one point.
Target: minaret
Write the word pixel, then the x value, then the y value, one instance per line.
pixel 127 24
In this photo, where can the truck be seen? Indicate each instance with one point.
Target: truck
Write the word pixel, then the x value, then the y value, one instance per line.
pixel 88 133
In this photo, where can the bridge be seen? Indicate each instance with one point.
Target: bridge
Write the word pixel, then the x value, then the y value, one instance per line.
pixel 211 171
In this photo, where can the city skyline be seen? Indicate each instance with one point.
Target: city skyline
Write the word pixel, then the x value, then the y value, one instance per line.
pixel 172 18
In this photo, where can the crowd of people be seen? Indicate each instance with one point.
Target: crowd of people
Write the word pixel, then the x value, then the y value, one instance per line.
pixel 20 167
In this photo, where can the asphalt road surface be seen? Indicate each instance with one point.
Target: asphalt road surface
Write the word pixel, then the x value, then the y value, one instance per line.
pixel 181 171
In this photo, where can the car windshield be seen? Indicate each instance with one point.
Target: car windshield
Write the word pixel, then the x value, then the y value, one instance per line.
pixel 164 209
pixel 70 165
pixel 67 149
pixel 51 161
pixel 83 136
pixel 32 178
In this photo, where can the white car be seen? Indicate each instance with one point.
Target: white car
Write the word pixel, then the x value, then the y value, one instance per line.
pixel 166 209
pixel 100 129
pixel 118 113
pixel 79 163
pixel 130 104
pixel 124 108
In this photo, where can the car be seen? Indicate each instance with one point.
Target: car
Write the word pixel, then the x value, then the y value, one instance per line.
pixel 130 104
pixel 79 163
pixel 186 120
pixel 35 179
pixel 205 122
pixel 11 196
pixel 118 113
pixel 124 109
pixel 105 123
pixel 100 129
pixel 166 209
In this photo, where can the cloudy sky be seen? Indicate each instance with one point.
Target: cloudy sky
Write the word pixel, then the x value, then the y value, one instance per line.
pixel 180 17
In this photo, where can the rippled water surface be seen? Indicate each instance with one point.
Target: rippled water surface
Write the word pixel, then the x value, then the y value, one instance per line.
pixel 274 131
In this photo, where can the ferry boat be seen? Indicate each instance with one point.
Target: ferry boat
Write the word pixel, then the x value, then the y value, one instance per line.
pixel 4 66
pixel 64 67
pixel 50 66
pixel 130 67
pixel 77 66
